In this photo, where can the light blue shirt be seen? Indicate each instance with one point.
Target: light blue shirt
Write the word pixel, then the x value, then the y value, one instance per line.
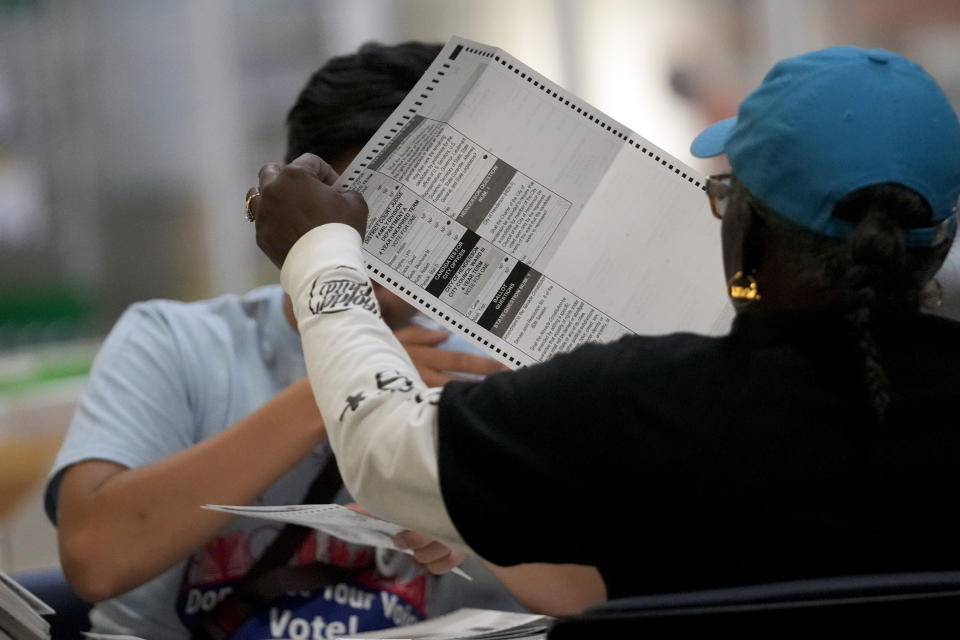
pixel 172 374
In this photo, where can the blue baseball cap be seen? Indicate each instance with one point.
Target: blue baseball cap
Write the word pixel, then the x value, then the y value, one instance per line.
pixel 826 123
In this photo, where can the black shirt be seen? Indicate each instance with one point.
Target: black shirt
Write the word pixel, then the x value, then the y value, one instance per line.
pixel 685 462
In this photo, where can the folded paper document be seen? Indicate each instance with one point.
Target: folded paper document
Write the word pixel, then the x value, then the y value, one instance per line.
pixel 332 519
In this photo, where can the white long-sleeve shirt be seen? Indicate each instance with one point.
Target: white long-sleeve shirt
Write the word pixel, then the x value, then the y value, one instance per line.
pixel 381 418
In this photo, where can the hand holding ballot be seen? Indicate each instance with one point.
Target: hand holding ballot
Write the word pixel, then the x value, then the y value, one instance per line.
pixel 434 555
pixel 296 198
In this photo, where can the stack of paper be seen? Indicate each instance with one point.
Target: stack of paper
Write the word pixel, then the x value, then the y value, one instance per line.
pixel 21 612
pixel 468 624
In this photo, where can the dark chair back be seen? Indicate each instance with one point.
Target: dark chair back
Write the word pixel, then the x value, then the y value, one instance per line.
pixel 865 603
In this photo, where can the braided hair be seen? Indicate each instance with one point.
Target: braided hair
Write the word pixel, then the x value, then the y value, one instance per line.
pixel 348 98
pixel 871 275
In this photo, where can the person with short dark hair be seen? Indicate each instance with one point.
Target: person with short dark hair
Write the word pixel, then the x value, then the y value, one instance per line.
pixel 816 439
pixel 347 99
pixel 206 403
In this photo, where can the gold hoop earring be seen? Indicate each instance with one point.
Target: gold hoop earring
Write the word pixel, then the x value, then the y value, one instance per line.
pixel 743 287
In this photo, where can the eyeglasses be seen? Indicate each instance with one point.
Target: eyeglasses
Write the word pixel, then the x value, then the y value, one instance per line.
pixel 718 190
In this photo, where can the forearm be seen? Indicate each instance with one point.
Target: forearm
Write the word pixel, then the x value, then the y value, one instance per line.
pixel 552 589
pixel 380 416
pixel 120 527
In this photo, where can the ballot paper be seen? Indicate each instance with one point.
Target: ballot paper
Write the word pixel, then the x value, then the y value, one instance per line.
pixel 527 220
pixel 467 624
pixel 333 519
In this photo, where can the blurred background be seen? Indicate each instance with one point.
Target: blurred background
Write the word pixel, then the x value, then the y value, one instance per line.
pixel 131 129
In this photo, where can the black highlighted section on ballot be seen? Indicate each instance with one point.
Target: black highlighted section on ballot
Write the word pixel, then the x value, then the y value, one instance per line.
pixel 454 261
pixel 508 301
pixel 486 195
pixel 395 142
pixel 456 51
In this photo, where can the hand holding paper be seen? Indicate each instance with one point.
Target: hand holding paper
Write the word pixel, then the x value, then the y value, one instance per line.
pixel 437 557
pixel 346 524
pixel 298 197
